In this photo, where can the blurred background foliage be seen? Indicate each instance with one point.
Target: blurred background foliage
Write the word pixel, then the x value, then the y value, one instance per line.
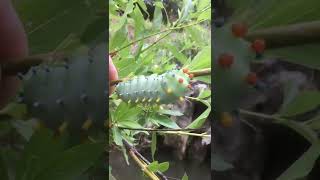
pixel 291 31
pixel 29 151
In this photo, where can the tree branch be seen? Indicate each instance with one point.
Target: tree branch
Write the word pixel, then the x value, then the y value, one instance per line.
pixel 288 35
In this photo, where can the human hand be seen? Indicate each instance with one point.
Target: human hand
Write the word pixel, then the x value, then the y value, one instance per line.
pixel 13 45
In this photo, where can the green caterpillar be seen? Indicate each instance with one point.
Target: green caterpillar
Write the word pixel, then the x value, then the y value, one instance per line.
pixel 73 93
pixel 155 89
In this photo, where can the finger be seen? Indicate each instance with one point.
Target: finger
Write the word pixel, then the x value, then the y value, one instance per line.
pixel 113 74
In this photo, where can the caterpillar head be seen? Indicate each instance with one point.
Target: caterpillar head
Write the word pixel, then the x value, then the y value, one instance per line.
pixel 178 82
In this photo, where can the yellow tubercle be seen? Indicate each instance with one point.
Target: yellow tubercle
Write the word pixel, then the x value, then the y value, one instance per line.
pixel 169 90
pixel 63 127
pixel 87 124
pixel 226 119
pixel 158 100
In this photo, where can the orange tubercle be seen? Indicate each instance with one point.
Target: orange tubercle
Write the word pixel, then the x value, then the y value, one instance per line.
pixel 252 78
pixel 239 30
pixel 226 119
pixel 180 80
pixel 191 76
pixel 189 86
pixel 258 45
pixel 225 60
pixel 185 70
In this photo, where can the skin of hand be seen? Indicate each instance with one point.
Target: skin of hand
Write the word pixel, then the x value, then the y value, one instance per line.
pixel 113 74
pixel 14 45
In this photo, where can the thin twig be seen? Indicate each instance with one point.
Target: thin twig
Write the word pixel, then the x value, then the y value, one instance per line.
pixel 187 133
pixel 154 34
pixel 288 35
pixel 151 129
pixel 144 163
pixel 13 66
pixel 202 72
pixel 154 43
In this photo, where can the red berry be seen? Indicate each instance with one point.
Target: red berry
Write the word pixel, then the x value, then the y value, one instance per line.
pixel 239 29
pixel 252 78
pixel 258 46
pixel 185 70
pixel 180 80
pixel 225 60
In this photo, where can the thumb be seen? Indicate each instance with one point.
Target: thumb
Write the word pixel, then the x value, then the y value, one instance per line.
pixel 113 74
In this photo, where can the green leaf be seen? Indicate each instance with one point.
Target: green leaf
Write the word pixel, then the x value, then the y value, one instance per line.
pixel 199 35
pixel 202 59
pixel 170 112
pixel 119 37
pixel 197 123
pixel 47 27
pixel 263 14
pixel 154 166
pixel 126 113
pixel 187 7
pixel 153 144
pixel 95 28
pixel 304 130
pixel 129 8
pixel 8 163
pixel 185 177
pixel 291 90
pixel 143 6
pixel 219 164
pixel 125 66
pixel 157 19
pixel 305 54
pixel 130 124
pixel 314 123
pixel 204 15
pixel 163 166
pixel 73 162
pixel 165 121
pixel 159 4
pixel 180 56
pixel 25 128
pixel 17 111
pixel 138 21
pixel 304 102
pixel 5 127
pixel 117 138
pixel 3 166
pixel 303 166
pixel 204 94
pixel 35 155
